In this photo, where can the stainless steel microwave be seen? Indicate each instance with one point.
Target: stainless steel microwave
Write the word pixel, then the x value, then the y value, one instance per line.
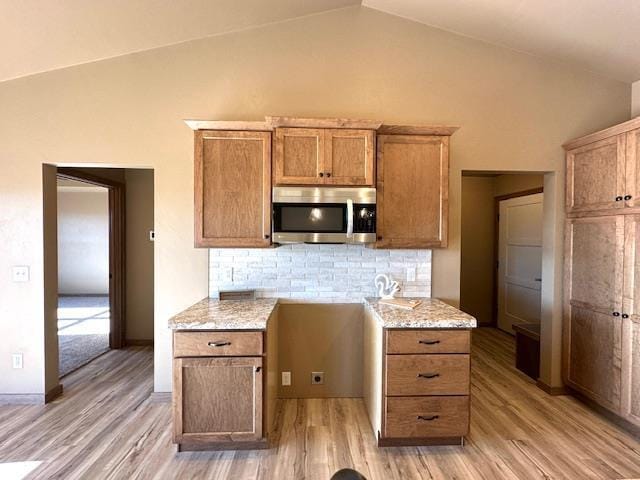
pixel 324 215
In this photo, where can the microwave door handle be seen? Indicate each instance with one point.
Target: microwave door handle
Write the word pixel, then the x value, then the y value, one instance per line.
pixel 349 218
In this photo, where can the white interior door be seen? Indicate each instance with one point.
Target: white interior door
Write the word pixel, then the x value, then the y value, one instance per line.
pixel 519 261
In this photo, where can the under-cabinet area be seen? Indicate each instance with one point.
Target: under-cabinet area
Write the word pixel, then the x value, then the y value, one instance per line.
pixel 411 368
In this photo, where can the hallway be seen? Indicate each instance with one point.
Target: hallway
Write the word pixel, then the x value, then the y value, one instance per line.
pixel 105 426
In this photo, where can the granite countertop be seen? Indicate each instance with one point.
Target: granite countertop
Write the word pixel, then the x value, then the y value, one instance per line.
pixel 214 314
pixel 431 313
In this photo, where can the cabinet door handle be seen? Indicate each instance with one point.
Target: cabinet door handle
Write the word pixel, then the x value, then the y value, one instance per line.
pixel 616 314
pixel 328 174
pixel 625 315
pixel 428 375
pixel 428 418
pixel 266 237
pixel 429 342
pixel 628 197
pixel 618 198
pixel 221 343
pixel 321 174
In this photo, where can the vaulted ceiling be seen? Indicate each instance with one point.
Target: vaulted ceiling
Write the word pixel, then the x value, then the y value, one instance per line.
pixel 42 35
pixel 599 35
pixel 37 36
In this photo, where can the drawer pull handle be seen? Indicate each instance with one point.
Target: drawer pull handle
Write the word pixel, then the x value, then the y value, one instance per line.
pixel 219 344
pixel 428 419
pixel 428 375
pixel 429 342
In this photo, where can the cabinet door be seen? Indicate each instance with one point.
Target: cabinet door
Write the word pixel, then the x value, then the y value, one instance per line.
pixel 631 322
pixel 232 189
pixel 632 168
pixel 593 304
pixel 413 190
pixel 217 399
pixel 595 176
pixel 349 157
pixel 299 154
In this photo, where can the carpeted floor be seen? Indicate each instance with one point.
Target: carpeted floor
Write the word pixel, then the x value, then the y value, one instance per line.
pixel 83 330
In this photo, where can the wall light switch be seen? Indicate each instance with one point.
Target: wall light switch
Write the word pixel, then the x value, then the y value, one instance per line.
pixel 286 379
pixel 411 274
pixel 16 360
pixel 20 273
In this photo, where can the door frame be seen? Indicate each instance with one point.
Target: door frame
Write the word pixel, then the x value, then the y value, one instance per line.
pixel 117 250
pixel 496 244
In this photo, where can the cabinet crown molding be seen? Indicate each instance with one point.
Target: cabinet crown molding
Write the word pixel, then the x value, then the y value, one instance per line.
pixel 272 122
pixel 602 134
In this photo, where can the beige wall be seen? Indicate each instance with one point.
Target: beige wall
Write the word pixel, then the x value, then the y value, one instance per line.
pixel 139 307
pixel 507 184
pixel 83 240
pixel 635 99
pixel 476 247
pixel 325 338
pixel 515 111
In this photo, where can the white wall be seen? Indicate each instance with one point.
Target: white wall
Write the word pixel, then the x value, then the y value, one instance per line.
pixel 83 240
pixel 515 112
pixel 317 272
pixel 635 99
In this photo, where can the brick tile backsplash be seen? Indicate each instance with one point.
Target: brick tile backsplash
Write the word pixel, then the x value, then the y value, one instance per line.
pixel 322 272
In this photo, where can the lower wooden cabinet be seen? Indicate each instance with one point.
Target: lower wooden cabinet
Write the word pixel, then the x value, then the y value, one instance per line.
pixel 218 401
pixel 416 384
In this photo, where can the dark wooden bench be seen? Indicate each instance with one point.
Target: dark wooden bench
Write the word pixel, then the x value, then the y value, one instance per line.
pixel 528 348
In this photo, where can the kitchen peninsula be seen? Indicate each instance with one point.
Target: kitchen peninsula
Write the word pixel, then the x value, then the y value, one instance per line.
pixel 415 372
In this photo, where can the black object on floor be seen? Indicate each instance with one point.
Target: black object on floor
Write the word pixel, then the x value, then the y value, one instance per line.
pixel 528 348
pixel 347 474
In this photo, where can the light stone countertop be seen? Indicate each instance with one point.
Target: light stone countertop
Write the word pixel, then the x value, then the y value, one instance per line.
pixel 214 314
pixel 431 313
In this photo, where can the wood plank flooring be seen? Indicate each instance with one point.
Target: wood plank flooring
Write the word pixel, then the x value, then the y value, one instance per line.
pixel 105 426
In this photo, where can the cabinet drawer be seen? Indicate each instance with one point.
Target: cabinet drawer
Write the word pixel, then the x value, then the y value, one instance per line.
pixel 427 375
pixel 216 344
pixel 408 417
pixel 428 341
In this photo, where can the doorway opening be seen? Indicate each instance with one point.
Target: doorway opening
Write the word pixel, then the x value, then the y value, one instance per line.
pixel 501 258
pixel 91 245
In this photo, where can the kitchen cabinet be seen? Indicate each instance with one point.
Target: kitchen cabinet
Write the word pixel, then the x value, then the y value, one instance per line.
pixel 232 188
pixel 601 344
pixel 413 191
pixel 317 156
pixel 416 384
pixel 217 397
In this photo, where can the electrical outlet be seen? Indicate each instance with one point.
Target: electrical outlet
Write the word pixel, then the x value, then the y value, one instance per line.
pixel 286 379
pixel 20 273
pixel 17 360
pixel 317 378
pixel 411 274
pixel 152 235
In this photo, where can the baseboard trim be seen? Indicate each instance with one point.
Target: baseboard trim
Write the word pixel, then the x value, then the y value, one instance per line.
pixel 133 342
pixel 54 393
pixel 22 399
pixel 160 397
pixel 213 446
pixel 552 390
pixel 609 415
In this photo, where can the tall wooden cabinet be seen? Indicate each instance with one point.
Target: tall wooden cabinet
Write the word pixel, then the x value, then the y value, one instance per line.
pixel 601 337
pixel 232 188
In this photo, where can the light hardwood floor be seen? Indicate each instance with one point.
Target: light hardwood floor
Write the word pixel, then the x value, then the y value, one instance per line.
pixel 105 426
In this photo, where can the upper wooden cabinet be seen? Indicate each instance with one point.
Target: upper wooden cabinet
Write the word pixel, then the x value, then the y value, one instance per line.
pixel 603 171
pixel 596 176
pixel 232 188
pixel 316 156
pixel 413 189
